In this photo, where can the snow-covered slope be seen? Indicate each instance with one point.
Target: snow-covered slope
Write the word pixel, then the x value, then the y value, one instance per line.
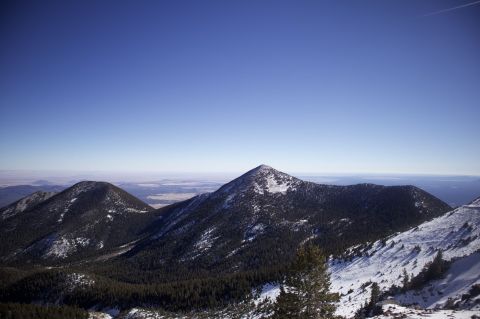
pixel 25 203
pixel 456 234
pixel 458 280
pixel 396 311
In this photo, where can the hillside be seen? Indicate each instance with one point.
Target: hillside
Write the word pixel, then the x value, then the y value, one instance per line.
pixel 456 234
pixel 258 220
pixel 87 218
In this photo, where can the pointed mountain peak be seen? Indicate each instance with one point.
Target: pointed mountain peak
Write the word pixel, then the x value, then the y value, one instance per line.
pixel 261 169
pixel 262 179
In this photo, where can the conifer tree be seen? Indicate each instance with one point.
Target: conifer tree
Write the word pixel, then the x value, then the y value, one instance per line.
pixel 405 280
pixel 308 288
pixel 287 306
pixel 374 309
pixel 375 294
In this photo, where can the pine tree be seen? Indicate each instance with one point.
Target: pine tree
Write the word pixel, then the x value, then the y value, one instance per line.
pixel 361 312
pixel 371 308
pixel 405 280
pixel 437 267
pixel 308 294
pixel 286 306
pixel 375 294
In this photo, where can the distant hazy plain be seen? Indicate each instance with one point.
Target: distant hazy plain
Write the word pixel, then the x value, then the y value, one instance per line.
pixel 160 189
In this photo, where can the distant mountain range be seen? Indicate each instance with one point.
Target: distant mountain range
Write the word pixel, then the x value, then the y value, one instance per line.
pixel 454 190
pixel 233 239
pixel 227 230
pixel 157 193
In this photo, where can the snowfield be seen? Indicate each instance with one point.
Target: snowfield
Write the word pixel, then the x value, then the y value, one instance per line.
pixel 456 234
pixel 396 311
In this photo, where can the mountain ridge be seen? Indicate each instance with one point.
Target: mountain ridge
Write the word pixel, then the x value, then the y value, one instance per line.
pixel 261 203
pixel 25 203
pixel 232 228
pixel 202 252
pixel 82 217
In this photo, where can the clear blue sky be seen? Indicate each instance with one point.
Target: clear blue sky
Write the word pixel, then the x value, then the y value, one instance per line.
pixel 304 86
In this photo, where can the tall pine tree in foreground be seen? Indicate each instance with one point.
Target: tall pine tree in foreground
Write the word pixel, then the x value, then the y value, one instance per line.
pixel 307 294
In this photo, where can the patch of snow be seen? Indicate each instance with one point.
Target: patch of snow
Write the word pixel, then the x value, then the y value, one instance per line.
pixel 59 248
pixel 233 252
pixel 206 240
pixel 82 241
pixel 98 315
pixel 253 232
pixel 134 210
pixel 66 209
pixel 60 218
pixel 274 186
pixel 137 313
pixel 75 280
pixel 258 189
pixel 269 291
pixel 62 247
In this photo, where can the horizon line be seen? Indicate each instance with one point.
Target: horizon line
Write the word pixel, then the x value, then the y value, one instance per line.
pixel 233 172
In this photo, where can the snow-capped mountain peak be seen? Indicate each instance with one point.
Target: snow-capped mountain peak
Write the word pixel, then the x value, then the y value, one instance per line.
pixel 262 167
pixel 262 180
